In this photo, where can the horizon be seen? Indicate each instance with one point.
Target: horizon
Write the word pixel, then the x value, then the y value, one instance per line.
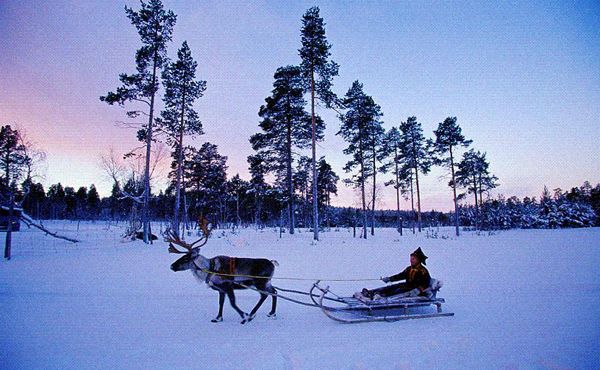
pixel 522 79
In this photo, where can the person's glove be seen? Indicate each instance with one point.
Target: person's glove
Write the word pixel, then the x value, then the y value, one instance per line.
pixel 385 279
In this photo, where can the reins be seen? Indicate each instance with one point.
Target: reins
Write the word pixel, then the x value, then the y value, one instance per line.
pixel 280 277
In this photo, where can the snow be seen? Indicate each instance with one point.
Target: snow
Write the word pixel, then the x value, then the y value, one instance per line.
pixel 521 298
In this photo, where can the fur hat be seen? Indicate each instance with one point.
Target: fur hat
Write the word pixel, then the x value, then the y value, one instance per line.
pixel 420 255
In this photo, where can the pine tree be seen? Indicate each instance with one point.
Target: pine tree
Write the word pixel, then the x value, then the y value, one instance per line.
pixel 418 156
pixel 286 126
pixel 208 175
pixel 376 135
pixel 359 123
pixel 155 28
pixel 236 187
pixel 394 152
pixel 327 184
pixel 13 157
pixel 258 186
pixel 448 137
pixel 318 73
pixel 81 202
pixel 473 174
pixel 34 199
pixel 180 119
pixel 302 185
pixel 93 201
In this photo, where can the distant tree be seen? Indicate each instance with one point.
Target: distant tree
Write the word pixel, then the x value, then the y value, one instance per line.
pixel 13 157
pixel 155 27
pixel 473 174
pixel 376 135
pixel 180 119
pixel 417 156
pixel 258 186
pixel 208 175
pixel 448 137
pixel 71 202
pixel 286 126
pixel 93 201
pixel 56 197
pixel 114 203
pixel 359 123
pixel 302 182
pixel 34 200
pixel 394 153
pixel 13 161
pixel 327 180
pixel 595 202
pixel 318 72
pixel 236 189
pixel 81 203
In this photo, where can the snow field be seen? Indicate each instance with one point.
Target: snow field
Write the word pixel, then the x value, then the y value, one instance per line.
pixel 521 298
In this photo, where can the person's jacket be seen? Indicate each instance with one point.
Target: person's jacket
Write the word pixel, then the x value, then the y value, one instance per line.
pixel 416 277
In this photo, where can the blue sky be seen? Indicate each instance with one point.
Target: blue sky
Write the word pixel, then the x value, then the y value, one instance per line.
pixel 523 78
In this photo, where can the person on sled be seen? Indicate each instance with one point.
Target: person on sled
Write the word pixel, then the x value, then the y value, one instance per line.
pixel 416 276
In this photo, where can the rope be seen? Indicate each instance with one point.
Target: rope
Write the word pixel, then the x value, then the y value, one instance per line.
pixel 307 294
pixel 279 296
pixel 281 278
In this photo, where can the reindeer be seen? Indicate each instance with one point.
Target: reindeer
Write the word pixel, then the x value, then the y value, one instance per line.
pixel 226 274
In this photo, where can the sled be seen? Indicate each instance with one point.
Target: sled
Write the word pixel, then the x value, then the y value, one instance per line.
pixel 357 309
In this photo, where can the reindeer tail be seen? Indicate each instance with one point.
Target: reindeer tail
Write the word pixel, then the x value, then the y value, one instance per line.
pixel 275 262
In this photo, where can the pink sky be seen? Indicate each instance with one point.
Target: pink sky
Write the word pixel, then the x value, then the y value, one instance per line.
pixel 523 81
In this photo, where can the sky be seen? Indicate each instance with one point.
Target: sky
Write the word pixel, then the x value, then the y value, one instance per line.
pixel 523 79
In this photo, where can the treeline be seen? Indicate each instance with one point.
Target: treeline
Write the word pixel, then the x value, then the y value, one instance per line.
pixel 238 205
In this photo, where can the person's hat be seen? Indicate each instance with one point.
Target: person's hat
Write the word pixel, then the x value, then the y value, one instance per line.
pixel 420 255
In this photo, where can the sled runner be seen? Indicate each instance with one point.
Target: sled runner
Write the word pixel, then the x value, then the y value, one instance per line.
pixel 404 306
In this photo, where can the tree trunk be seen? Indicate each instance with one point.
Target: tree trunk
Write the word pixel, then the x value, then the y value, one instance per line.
pixel 314 157
pixel 8 242
pixel 412 202
pixel 237 209
pixel 374 195
pixel 362 185
pixel 418 198
pixel 456 216
pixel 397 191
pixel 179 171
pixel 146 203
pixel 476 205
pixel 185 207
pixel 289 178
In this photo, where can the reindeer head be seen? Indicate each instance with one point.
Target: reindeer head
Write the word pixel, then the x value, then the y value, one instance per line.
pixel 191 253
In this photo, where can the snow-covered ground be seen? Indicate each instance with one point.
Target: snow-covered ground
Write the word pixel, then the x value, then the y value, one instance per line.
pixel 522 299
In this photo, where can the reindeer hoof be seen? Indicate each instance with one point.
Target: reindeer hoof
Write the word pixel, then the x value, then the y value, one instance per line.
pixel 272 316
pixel 217 319
pixel 247 318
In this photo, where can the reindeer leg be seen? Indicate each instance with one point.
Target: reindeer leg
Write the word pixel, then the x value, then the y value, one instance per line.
pixel 231 296
pixel 219 317
pixel 263 297
pixel 272 290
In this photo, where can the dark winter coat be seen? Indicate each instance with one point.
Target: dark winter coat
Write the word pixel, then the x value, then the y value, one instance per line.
pixel 416 277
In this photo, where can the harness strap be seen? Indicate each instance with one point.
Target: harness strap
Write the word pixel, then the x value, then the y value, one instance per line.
pixel 232 265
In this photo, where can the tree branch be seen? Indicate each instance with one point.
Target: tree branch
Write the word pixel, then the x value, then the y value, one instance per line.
pixel 29 222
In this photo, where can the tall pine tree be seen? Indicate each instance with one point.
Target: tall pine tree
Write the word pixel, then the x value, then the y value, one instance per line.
pixel 180 119
pixel 448 137
pixel 359 123
pixel 286 126
pixel 394 152
pixel 155 27
pixel 473 174
pixel 318 72
pixel 418 156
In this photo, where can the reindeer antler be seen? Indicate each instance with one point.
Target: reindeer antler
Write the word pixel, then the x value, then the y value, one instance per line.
pixel 172 238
